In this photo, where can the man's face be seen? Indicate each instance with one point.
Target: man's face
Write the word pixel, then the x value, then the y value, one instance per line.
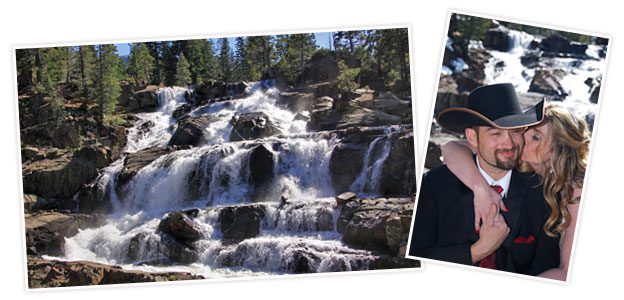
pixel 498 148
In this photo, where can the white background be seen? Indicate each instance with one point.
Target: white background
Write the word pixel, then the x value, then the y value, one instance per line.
pixel 597 260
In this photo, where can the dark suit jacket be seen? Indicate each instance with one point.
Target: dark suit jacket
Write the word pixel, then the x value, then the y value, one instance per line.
pixel 444 230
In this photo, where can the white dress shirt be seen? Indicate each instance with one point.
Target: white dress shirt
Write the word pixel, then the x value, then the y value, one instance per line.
pixel 503 182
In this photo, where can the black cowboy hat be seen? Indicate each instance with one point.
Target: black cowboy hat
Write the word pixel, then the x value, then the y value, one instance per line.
pixel 493 106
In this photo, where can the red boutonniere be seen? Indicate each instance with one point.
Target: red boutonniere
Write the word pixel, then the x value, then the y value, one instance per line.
pixel 524 240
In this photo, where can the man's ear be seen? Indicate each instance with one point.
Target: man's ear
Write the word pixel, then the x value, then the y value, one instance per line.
pixel 472 137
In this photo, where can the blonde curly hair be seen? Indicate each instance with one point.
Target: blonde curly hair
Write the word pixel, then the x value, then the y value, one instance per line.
pixel 565 170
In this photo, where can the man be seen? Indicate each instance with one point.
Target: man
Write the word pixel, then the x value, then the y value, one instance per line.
pixel 511 240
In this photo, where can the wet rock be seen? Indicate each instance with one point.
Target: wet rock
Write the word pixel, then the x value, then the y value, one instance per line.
pixel 261 166
pixel 531 59
pixel 135 162
pixel 377 224
pixel 181 227
pixel 46 231
pixel 548 82
pixel 344 198
pixel 99 155
pixel 497 39
pixel 345 164
pixel 143 100
pixel 178 251
pixel 595 94
pixel 240 222
pixel 182 110
pixel 190 131
pixel 558 45
pixel 303 262
pixel 44 273
pixel 398 175
pixel 251 126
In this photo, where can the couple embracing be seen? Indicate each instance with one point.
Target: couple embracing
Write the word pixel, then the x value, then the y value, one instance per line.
pixel 508 196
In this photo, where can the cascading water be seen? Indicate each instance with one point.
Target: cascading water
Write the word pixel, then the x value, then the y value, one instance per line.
pixel 297 209
pixel 506 67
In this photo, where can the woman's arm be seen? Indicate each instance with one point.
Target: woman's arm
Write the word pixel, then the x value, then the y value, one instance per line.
pixel 458 157
pixel 566 247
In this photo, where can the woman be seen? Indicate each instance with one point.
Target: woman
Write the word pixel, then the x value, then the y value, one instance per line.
pixel 556 150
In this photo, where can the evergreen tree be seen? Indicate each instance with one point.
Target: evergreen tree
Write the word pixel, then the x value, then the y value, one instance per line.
pixel 242 68
pixel 260 51
pixel 26 68
pixel 293 51
pixel 156 53
pixel 194 52
pixel 183 74
pixel 211 67
pixel 140 64
pixel 225 61
pixel 87 60
pixel 170 61
pixel 106 82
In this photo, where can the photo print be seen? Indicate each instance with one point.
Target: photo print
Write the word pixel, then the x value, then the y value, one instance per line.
pixel 216 158
pixel 508 147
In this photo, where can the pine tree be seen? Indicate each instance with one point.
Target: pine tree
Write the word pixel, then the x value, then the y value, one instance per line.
pixel 242 68
pixel 194 52
pixel 170 59
pixel 183 74
pixel 86 64
pixel 107 87
pixel 140 64
pixel 293 51
pixel 155 51
pixel 211 67
pixel 225 61
pixel 260 51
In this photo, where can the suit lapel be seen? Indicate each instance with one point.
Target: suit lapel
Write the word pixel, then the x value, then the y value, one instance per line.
pixel 516 196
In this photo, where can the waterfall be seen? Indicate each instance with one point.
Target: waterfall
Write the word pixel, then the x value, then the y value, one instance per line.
pixel 296 209
pixel 505 67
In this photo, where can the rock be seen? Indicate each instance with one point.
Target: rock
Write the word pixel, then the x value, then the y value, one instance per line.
pixel 142 100
pixel 558 45
pixel 531 59
pixel 66 136
pixel 297 101
pixel 325 89
pixel 377 224
pixel 29 153
pixel 595 94
pixel 178 251
pixel 34 110
pixel 398 174
pixel 346 214
pixel 365 99
pixel 345 197
pixel 135 162
pixel 190 131
pixel 253 125
pixel 548 82
pixel 46 231
pixel 345 164
pixel 44 273
pixel 101 155
pixel 324 220
pixel 182 110
pixel 240 222
pixel 497 39
pixel 391 104
pixel 134 246
pixel 448 95
pixel 322 67
pixel 261 166
pixel 181 227
pixel 303 262
pixel 61 177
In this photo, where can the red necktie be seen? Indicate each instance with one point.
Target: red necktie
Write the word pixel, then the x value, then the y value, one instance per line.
pixel 490 260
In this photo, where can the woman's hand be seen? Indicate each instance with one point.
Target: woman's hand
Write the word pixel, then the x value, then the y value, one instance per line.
pixel 484 197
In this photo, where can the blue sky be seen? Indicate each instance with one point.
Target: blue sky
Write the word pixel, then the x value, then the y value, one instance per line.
pixel 322 41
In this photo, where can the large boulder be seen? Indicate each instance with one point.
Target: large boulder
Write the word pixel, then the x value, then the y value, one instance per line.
pixel 261 171
pixel 345 164
pixel 145 99
pixel 66 136
pixel 548 82
pixel 251 126
pixel 134 162
pixel 181 227
pixel 297 101
pixel 241 222
pixel 497 39
pixel 391 104
pixel 60 177
pixel 46 231
pixel 398 173
pixel 377 224
pixel 558 45
pixel 44 273
pixel 190 130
